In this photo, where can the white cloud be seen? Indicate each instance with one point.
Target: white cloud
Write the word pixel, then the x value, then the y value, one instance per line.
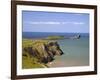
pixel 48 22
pixel 79 23
pixel 75 23
pixel 55 23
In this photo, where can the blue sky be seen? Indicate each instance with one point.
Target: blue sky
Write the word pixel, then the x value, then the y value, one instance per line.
pixel 39 21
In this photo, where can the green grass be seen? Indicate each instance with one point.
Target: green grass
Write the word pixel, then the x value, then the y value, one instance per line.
pixel 31 62
pixel 55 37
pixel 30 42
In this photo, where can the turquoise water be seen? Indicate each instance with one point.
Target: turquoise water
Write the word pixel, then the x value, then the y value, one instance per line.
pixel 76 53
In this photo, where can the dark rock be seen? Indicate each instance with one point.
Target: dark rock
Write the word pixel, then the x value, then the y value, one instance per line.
pixel 44 52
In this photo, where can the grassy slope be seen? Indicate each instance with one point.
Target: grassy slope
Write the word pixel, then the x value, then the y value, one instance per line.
pixel 55 37
pixel 28 62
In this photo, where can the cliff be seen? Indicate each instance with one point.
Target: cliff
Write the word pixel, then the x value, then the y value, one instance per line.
pixel 40 52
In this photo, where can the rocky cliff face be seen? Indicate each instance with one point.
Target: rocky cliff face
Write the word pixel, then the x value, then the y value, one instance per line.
pixel 43 51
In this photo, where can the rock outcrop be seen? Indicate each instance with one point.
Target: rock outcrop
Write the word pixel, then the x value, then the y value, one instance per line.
pixel 43 50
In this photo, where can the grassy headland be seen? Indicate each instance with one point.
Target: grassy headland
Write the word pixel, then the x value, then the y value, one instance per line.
pixel 55 37
pixel 37 53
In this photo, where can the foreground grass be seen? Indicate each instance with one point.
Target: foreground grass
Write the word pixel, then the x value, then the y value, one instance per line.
pixel 30 42
pixel 31 62
pixel 28 63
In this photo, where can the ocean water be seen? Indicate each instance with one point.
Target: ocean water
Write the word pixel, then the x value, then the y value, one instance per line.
pixel 76 51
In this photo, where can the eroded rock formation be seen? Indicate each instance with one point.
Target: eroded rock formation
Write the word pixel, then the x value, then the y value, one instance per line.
pixel 43 51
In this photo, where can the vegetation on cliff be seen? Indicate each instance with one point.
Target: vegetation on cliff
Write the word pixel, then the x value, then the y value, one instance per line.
pixel 55 37
pixel 37 53
pixel 62 37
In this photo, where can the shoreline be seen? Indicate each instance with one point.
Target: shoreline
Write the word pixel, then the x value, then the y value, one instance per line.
pixel 70 61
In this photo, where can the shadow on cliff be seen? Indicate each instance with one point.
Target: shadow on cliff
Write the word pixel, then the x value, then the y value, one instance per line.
pixel 43 51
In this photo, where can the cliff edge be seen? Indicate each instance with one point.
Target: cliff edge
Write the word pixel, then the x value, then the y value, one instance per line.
pixel 39 52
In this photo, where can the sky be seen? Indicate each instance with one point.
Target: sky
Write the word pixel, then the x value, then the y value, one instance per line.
pixel 39 21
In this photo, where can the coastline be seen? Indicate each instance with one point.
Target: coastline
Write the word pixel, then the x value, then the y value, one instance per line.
pixel 34 54
pixel 72 56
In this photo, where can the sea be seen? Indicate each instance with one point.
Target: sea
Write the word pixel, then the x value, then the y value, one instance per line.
pixel 76 51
